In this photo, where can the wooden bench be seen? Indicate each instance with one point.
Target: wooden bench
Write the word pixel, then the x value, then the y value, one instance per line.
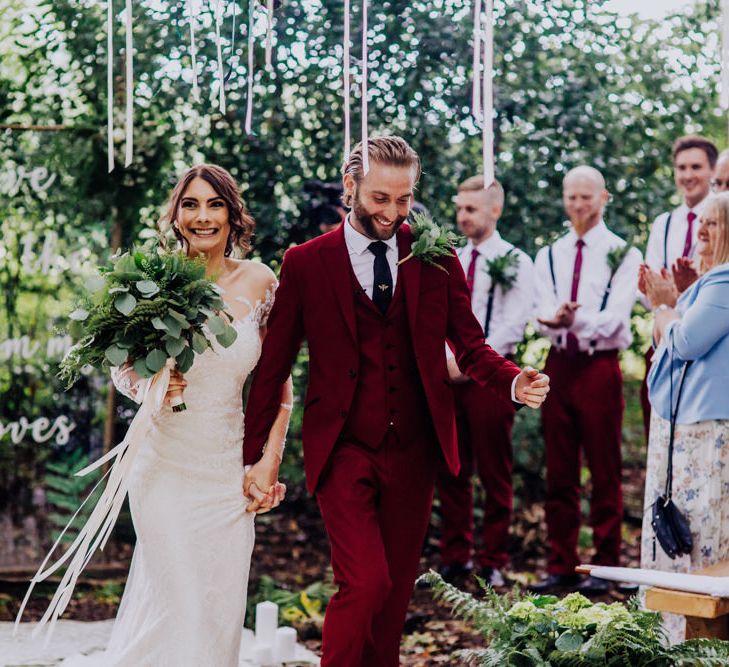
pixel 706 616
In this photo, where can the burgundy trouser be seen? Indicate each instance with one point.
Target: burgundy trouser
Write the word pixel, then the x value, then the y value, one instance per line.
pixel 645 403
pixel 376 507
pixel 583 412
pixel 484 443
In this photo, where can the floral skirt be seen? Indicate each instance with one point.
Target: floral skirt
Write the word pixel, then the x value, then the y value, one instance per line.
pixel 700 491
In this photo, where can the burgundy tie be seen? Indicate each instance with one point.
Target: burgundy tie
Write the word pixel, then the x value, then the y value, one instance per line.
pixel 471 273
pixel 573 345
pixel 689 234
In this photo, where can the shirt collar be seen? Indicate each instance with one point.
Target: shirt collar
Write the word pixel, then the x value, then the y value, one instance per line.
pixel 358 243
pixel 592 236
pixel 489 244
pixel 683 210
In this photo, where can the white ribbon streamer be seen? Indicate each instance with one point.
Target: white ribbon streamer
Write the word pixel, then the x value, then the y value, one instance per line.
pixel 110 85
pixel 269 33
pixel 346 81
pixel 193 49
pixel 365 135
pixel 477 82
pixel 251 63
pixel 724 92
pixel 488 96
pixel 218 9
pixel 130 86
pixel 691 583
pixel 101 521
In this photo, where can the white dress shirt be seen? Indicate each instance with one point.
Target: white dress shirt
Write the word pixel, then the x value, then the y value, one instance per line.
pixel 363 261
pixel 511 310
pixel 655 256
pixel 609 328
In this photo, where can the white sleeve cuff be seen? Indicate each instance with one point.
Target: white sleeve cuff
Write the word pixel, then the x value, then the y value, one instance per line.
pixel 513 391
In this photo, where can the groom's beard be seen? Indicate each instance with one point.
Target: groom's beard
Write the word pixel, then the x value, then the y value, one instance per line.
pixel 366 220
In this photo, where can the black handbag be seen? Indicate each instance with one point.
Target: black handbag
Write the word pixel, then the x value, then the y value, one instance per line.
pixel 671 528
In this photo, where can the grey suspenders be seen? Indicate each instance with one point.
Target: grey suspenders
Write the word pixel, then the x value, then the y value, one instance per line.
pixel 665 240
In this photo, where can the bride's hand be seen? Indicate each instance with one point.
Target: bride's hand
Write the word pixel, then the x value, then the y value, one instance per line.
pixel 261 485
pixel 176 387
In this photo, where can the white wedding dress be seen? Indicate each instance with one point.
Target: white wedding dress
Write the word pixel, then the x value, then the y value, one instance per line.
pixel 185 598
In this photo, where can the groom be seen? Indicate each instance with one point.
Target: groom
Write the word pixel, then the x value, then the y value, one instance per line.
pixel 378 415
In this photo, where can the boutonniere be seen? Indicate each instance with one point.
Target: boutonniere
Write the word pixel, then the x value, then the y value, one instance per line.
pixel 503 270
pixel 430 241
pixel 616 256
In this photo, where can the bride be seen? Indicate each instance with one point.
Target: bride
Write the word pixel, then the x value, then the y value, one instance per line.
pixel 185 599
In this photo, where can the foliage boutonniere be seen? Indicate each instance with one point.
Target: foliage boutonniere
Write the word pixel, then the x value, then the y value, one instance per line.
pixel 503 270
pixel 430 241
pixel 616 256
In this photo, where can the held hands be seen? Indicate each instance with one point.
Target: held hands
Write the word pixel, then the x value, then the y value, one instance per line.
pixel 532 387
pixel 658 287
pixel 261 485
pixel 564 317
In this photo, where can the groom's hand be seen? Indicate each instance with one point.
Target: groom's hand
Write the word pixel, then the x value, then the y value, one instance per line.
pixel 261 485
pixel 532 387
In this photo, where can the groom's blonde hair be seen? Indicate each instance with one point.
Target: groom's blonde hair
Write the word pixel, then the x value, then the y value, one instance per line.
pixel 388 150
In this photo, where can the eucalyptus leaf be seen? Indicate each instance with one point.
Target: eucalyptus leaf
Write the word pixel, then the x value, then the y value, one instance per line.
pixel 95 283
pixel 569 641
pixel 125 303
pixel 157 323
pixel 217 325
pixel 173 326
pixel 147 288
pixel 227 338
pixel 79 315
pixel 118 290
pixel 185 359
pixel 174 345
pixel 116 355
pixel 140 368
pixel 199 342
pixel 155 360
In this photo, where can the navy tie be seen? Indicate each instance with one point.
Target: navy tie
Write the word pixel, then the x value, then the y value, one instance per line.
pixel 382 288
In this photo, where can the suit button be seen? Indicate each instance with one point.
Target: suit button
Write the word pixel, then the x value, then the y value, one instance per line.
pixel 392 390
pixel 352 373
pixel 343 414
pixel 391 367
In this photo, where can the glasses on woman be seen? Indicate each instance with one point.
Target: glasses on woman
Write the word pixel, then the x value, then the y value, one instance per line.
pixel 720 185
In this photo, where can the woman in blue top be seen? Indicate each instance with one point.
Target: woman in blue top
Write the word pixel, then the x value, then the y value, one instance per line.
pixel 694 327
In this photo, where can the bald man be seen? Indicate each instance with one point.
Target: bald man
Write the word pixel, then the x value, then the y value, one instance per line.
pixel 584 305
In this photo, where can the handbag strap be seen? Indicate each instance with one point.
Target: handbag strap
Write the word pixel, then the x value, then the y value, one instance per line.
pixel 674 417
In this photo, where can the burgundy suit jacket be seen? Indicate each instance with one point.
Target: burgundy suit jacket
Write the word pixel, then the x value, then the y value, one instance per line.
pixel 315 300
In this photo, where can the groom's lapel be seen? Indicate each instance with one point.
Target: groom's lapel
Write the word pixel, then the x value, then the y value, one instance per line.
pixel 409 273
pixel 335 257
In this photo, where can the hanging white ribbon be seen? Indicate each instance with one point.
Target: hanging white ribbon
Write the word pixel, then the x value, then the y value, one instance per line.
pixel 269 33
pixel 130 86
pixel 488 96
pixel 691 583
pixel 110 85
pixel 724 92
pixel 477 81
pixel 346 81
pixel 365 135
pixel 101 521
pixel 218 10
pixel 251 63
pixel 192 11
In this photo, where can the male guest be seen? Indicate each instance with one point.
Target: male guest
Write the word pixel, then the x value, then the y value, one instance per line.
pixel 586 286
pixel 720 181
pixel 378 413
pixel 673 234
pixel 500 279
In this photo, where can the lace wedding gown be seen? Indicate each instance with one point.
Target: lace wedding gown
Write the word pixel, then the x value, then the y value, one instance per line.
pixel 185 598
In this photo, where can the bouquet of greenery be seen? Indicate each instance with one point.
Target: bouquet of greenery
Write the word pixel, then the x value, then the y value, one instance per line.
pixel 147 307
pixel 429 241
pixel 544 631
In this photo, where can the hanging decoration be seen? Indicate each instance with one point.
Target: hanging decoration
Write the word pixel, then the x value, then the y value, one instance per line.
pixel 724 92
pixel 476 95
pixel 192 11
pixel 482 100
pixel 269 33
pixel 365 54
pixel 110 85
pixel 129 47
pixel 218 13
pixel 251 43
pixel 345 75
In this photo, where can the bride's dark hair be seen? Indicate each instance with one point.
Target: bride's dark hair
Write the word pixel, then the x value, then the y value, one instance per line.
pixel 242 224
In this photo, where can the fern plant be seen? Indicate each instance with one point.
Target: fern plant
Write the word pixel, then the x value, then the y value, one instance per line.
pixel 544 631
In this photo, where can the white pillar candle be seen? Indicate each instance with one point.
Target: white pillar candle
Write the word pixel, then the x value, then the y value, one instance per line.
pixel 266 622
pixel 284 648
pixel 263 655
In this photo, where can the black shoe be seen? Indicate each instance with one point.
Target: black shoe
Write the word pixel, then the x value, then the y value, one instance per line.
pixel 593 586
pixel 554 582
pixel 455 573
pixel 493 577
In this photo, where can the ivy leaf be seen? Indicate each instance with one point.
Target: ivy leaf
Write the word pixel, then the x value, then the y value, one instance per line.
pixel 116 355
pixel 155 360
pixel 227 338
pixel 185 359
pixel 125 303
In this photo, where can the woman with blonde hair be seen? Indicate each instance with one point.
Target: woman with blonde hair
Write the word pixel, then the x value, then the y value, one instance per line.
pixel 691 363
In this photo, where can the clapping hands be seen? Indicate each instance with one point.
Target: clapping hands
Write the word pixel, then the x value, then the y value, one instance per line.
pixel 658 287
pixel 563 318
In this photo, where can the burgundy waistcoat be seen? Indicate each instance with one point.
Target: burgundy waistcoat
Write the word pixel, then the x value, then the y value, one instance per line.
pixel 389 391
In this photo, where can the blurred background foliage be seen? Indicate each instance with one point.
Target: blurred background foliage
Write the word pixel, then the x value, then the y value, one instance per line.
pixel 574 83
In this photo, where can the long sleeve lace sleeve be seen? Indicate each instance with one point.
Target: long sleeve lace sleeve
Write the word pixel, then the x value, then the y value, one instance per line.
pixel 128 382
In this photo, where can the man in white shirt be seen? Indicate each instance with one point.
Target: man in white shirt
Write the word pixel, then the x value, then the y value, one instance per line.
pixel 586 286
pixel 502 301
pixel 673 233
